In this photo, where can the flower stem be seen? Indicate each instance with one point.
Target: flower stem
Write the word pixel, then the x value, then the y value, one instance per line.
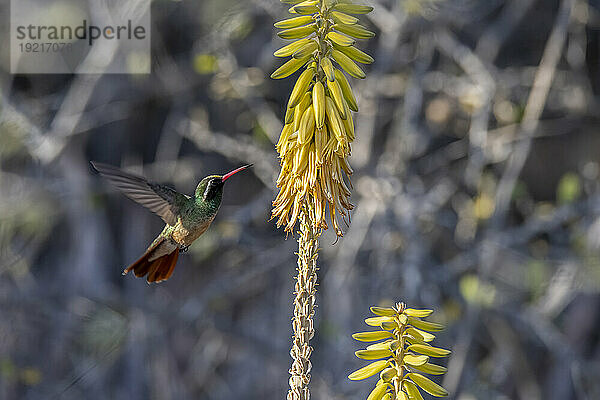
pixel 304 305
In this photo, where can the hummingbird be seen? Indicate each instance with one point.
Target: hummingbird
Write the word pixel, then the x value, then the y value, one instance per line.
pixel 186 217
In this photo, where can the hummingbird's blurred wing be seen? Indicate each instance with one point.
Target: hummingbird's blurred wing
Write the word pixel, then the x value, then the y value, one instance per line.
pixel 161 200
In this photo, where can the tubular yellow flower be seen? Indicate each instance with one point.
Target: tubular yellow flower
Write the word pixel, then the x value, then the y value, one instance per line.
pixel 316 139
pixel 403 356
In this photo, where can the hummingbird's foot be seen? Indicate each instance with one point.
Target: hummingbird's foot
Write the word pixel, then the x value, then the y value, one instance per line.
pixel 184 249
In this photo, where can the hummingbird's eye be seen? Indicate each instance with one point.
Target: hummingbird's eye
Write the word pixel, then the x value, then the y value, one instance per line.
pixel 212 188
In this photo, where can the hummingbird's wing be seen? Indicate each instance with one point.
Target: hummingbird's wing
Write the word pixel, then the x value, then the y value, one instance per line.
pixel 161 200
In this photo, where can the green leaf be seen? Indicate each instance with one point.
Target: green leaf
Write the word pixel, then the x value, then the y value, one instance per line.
pixel 205 63
pixel 476 291
pixel 427 385
pixel 415 360
pixel 383 311
pixel 569 188
pixel 373 354
pixel 425 325
pixel 432 369
pixel 428 350
pixel 413 312
pixel 368 371
pixel 372 336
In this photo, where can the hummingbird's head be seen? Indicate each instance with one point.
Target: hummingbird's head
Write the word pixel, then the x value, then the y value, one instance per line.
pixel 211 187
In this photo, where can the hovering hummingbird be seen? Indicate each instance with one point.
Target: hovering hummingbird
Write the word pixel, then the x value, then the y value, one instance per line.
pixel 186 217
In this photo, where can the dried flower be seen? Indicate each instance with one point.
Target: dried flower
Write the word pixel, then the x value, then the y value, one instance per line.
pixel 402 352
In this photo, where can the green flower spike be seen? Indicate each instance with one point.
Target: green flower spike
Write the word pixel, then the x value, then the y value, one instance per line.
pixel 402 354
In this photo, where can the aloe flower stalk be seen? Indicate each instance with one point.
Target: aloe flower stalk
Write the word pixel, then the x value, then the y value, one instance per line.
pixel 314 147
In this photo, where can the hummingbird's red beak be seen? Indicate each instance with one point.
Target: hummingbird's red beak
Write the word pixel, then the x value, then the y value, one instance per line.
pixel 235 171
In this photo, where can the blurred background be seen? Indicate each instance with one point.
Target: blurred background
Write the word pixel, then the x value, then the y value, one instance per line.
pixel 476 192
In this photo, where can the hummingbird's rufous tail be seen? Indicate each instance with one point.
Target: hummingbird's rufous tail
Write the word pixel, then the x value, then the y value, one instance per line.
pixel 158 270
